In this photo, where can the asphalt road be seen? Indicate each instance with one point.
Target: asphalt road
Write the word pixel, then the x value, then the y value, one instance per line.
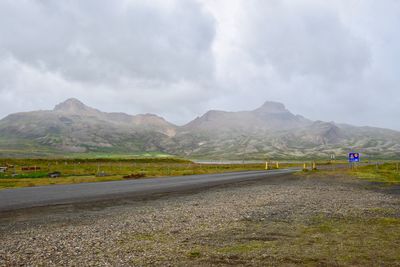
pixel 13 199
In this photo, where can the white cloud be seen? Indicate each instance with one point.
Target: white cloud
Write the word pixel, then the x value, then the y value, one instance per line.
pixel 106 40
pixel 178 58
pixel 330 60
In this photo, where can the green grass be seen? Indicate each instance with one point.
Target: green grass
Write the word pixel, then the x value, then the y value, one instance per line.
pixel 33 175
pixel 105 155
pixel 21 148
pixel 7 183
pixel 194 254
pixel 348 241
pixel 386 173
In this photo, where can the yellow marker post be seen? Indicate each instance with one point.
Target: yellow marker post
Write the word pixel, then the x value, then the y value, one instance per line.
pixel 304 167
pixel 266 165
pixel 277 165
pixel 314 166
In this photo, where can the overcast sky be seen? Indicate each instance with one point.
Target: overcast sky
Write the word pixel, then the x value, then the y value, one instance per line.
pixel 326 60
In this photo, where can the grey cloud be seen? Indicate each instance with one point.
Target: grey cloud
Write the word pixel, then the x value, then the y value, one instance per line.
pixel 100 40
pixel 330 60
pixel 327 60
pixel 306 40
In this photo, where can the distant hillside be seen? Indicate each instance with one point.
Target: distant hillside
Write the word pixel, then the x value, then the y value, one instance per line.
pixel 270 117
pixel 270 131
pixel 73 127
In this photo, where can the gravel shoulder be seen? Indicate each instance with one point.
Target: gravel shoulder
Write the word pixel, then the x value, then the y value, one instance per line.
pixel 289 220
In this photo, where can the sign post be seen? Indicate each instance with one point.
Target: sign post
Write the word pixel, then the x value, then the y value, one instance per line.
pixel 333 157
pixel 354 158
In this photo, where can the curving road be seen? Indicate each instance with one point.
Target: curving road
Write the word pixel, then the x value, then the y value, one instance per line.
pixel 12 199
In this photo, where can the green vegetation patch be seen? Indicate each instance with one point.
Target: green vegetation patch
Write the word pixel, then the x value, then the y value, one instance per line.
pixel 32 175
pixel 8 183
pixel 194 253
pixel 387 173
pixel 320 240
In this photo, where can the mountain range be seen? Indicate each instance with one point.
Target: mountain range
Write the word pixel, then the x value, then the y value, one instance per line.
pixel 270 131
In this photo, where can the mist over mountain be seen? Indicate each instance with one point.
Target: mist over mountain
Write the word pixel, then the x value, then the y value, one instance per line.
pixel 270 131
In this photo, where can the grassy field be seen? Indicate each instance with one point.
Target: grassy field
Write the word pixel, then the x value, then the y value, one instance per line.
pixel 321 241
pixel 27 149
pixel 388 173
pixel 105 169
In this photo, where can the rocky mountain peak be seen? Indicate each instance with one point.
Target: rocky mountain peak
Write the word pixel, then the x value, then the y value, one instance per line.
pixel 272 107
pixel 72 105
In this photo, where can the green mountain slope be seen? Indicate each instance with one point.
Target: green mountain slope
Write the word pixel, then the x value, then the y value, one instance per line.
pixel 270 131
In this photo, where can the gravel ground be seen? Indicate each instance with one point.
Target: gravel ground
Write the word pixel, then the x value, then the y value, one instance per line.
pixel 192 229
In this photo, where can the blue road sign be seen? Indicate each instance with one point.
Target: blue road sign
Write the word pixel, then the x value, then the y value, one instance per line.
pixel 354 157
